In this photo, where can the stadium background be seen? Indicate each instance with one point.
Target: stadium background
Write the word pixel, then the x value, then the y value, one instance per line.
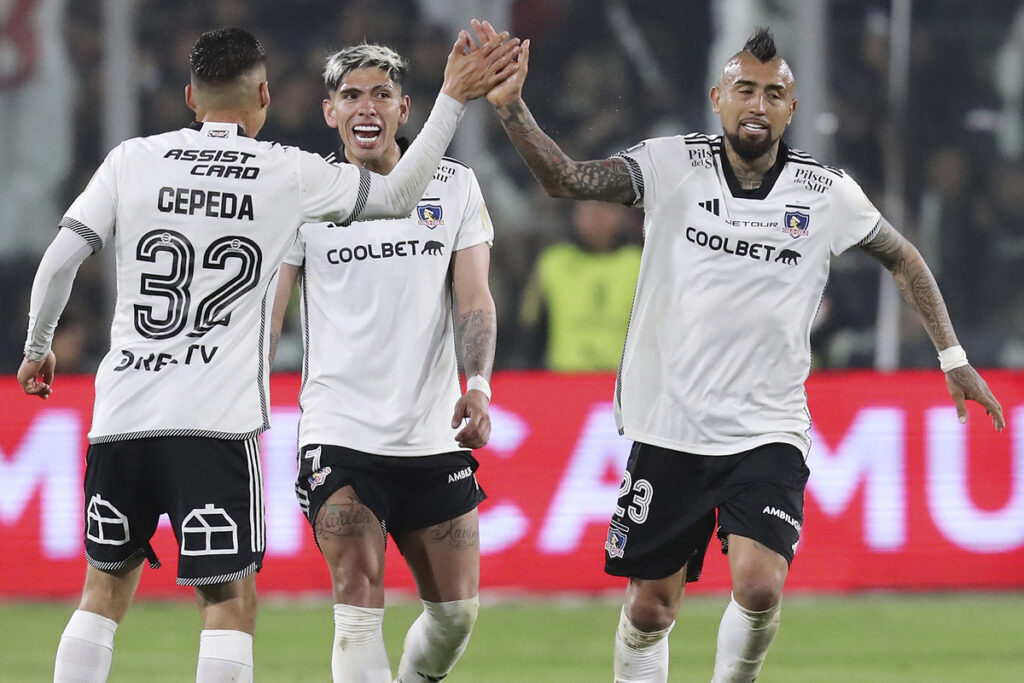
pixel 921 102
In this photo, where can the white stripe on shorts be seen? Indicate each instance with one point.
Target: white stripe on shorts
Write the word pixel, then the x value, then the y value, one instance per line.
pixel 257 529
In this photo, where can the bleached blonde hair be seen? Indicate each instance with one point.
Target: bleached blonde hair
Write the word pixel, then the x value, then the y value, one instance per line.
pixel 363 56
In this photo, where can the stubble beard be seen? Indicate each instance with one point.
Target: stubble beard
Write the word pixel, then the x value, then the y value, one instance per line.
pixel 749 150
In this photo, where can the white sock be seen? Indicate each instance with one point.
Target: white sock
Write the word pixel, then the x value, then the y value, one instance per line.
pixel 437 639
pixel 359 655
pixel 640 657
pixel 85 650
pixel 744 637
pixel 224 657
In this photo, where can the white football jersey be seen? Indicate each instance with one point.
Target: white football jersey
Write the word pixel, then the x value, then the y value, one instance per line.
pixel 200 219
pixel 379 372
pixel 718 344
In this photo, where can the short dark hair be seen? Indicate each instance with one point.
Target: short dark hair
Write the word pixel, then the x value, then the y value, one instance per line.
pixel 762 45
pixel 222 55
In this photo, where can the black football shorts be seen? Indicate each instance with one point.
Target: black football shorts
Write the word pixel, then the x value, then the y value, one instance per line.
pixel 211 490
pixel 670 503
pixel 405 493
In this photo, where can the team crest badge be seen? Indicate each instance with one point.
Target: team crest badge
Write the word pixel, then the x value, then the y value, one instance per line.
pixel 318 477
pixel 430 215
pixel 615 546
pixel 795 224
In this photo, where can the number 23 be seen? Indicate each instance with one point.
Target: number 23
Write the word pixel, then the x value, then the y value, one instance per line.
pixel 642 491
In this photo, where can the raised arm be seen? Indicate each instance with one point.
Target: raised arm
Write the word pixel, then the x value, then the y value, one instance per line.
pixel 604 179
pixel 919 288
pixel 471 72
pixel 476 333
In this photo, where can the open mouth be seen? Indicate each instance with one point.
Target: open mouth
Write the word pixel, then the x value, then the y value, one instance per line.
pixel 754 126
pixel 366 134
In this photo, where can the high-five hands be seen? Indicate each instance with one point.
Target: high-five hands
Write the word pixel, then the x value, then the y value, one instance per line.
pixel 473 70
pixel 510 89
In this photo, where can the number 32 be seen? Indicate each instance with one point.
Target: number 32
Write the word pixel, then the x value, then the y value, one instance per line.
pixel 175 285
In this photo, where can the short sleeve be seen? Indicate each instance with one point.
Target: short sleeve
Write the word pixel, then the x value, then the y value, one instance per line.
pixel 641 170
pixel 656 166
pixel 853 215
pixel 296 254
pixel 331 192
pixel 476 227
pixel 94 212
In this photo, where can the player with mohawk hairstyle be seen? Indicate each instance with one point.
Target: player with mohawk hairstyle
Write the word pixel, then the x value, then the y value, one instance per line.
pixel 739 231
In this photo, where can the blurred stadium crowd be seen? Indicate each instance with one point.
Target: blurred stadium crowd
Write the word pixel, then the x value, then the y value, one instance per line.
pixel 605 74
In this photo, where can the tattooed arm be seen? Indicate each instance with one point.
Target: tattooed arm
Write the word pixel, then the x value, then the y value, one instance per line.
pixel 919 288
pixel 475 334
pixel 605 179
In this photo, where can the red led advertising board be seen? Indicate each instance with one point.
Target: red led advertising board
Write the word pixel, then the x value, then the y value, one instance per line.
pixel 901 495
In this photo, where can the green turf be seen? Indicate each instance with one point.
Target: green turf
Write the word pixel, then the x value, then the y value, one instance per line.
pixel 878 639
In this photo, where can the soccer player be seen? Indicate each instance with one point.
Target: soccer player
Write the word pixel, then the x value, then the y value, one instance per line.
pixel 386 433
pixel 200 220
pixel 739 229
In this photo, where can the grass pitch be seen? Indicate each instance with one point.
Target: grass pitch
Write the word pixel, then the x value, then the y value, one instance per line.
pixel 935 638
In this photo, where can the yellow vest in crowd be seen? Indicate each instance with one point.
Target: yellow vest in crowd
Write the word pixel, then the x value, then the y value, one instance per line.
pixel 588 296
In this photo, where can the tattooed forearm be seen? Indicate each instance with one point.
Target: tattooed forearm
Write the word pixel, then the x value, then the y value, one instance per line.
pixel 915 281
pixel 477 332
pixel 606 179
pixel 350 518
pixel 458 536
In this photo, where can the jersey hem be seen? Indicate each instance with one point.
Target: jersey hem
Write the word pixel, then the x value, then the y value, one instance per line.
pixel 156 433
pixel 372 449
pixel 739 447
pixel 223 578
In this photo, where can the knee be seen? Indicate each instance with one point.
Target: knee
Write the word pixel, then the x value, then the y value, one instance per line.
pixel 230 606
pixel 357 588
pixel 357 575
pixel 650 613
pixel 456 617
pixel 757 592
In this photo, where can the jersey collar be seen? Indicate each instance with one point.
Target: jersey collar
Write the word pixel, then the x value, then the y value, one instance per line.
pixel 769 178
pixel 214 125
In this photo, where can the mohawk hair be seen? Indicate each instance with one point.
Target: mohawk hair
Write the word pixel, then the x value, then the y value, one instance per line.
pixel 762 45
pixel 222 55
pixel 363 56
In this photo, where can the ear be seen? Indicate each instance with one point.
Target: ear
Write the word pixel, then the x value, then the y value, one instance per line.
pixel 403 110
pixel 792 108
pixel 190 98
pixel 328 106
pixel 264 95
pixel 715 95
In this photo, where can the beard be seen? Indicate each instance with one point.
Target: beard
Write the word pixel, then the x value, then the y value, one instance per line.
pixel 749 150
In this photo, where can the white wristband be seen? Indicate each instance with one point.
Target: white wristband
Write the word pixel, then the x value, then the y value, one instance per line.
pixel 951 358
pixel 479 383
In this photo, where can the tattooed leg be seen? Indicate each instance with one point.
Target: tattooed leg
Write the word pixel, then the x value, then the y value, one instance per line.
pixel 445 558
pixel 352 541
